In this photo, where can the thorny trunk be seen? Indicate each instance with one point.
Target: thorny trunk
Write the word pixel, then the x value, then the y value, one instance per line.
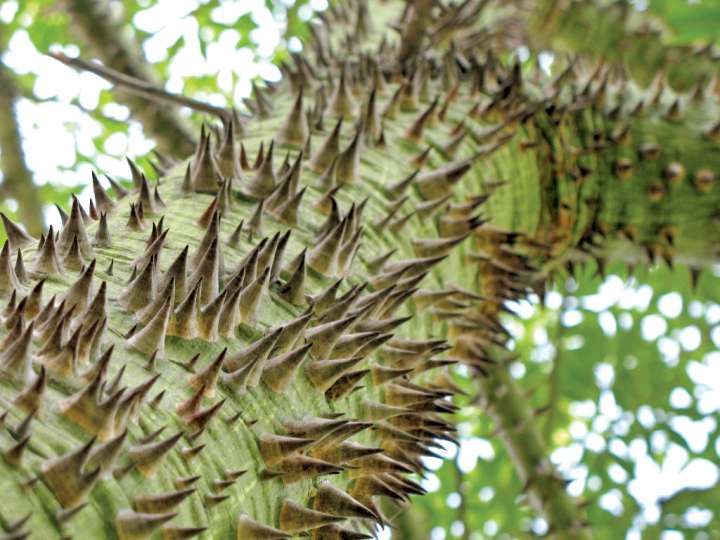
pixel 455 182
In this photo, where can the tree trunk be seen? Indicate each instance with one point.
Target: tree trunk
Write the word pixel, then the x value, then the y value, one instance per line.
pixel 459 181
pixel 17 179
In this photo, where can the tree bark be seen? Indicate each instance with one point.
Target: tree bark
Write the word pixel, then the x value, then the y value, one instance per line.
pixel 17 179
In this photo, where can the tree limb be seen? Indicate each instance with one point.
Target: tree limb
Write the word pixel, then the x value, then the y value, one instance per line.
pixel 517 426
pixel 140 87
pixel 17 178
pixel 174 135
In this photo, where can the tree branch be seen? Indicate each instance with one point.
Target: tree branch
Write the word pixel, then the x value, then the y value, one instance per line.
pixel 174 135
pixel 140 87
pixel 517 426
pixel 554 381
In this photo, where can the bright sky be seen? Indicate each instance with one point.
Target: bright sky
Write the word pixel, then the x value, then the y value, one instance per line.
pixel 54 128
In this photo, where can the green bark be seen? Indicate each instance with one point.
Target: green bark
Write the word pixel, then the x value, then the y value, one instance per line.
pixel 558 154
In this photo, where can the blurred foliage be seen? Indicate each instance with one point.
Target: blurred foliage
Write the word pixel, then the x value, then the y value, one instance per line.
pixel 92 116
pixel 627 373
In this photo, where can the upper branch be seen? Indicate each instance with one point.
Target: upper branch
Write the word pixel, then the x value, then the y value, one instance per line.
pixel 173 134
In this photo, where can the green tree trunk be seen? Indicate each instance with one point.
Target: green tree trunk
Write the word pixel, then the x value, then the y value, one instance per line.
pixel 458 182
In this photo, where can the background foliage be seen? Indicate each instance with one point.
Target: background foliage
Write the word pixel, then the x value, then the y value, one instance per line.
pixel 624 371
pixel 73 122
pixel 624 375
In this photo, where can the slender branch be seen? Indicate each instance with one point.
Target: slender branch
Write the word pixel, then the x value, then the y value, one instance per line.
pixel 139 87
pixel 555 376
pixel 516 425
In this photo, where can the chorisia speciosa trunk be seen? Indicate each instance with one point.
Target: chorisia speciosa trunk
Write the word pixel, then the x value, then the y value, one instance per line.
pixel 261 342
